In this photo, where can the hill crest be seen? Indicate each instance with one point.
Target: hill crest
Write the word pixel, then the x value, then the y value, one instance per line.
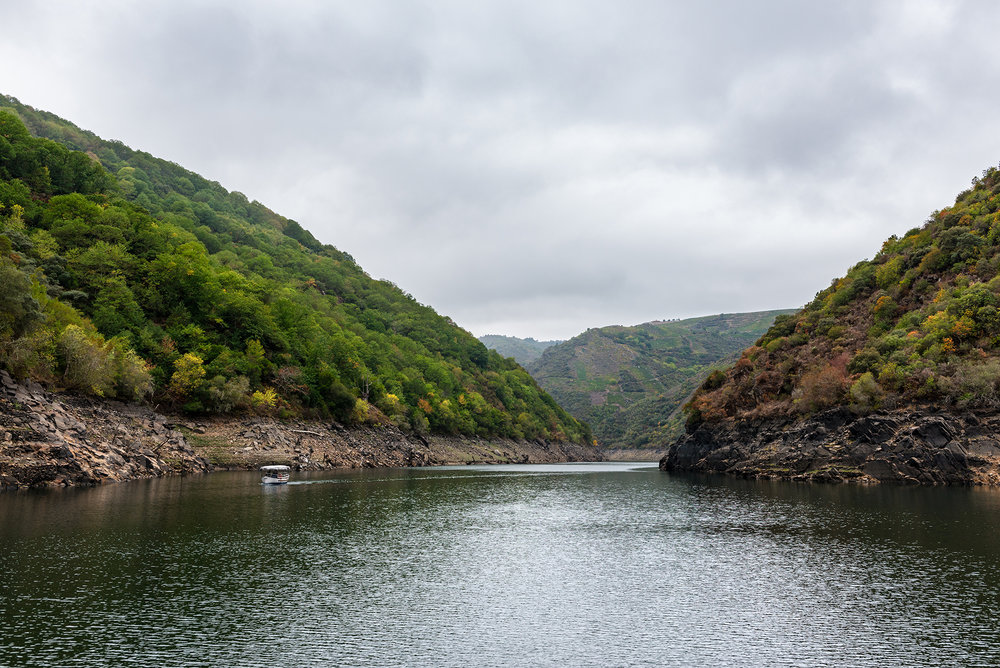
pixel 129 276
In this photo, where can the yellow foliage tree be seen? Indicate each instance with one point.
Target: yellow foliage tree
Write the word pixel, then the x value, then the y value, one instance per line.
pixel 189 375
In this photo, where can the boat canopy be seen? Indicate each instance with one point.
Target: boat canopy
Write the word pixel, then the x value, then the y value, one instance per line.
pixel 276 467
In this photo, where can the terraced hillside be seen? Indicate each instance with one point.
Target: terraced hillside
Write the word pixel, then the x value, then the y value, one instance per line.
pixel 629 382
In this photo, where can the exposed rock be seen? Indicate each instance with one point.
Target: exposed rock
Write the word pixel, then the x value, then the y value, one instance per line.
pixel 48 439
pixel 632 454
pixel 837 445
pixel 64 440
pixel 314 445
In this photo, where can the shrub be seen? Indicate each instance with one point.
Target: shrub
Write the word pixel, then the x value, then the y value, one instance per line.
pixel 361 408
pixel 891 376
pixel 694 418
pixel 226 395
pixel 775 345
pixel 887 275
pixel 132 379
pixel 865 391
pixel 820 388
pixel 714 380
pixel 974 384
pixel 85 362
pixel 33 355
pixel 865 360
pixel 264 402
pixel 19 311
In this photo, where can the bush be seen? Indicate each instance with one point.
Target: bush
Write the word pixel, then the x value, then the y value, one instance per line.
pixel 714 381
pixel 188 376
pixel 264 402
pixel 891 376
pixel 694 418
pixel 775 345
pixel 361 408
pixel 85 362
pixel 865 360
pixel 865 391
pixel 974 384
pixel 820 389
pixel 18 309
pixel 132 379
pixel 227 395
pixel 30 356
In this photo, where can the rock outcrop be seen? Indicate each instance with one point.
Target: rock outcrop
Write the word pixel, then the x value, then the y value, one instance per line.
pixel 839 445
pixel 315 445
pixel 51 439
pixel 48 439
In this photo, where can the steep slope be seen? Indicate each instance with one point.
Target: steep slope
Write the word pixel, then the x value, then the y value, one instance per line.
pixel 524 351
pixel 629 382
pixel 122 275
pixel 891 373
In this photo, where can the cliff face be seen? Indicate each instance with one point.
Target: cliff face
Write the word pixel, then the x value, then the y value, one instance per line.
pixel 838 445
pixel 62 440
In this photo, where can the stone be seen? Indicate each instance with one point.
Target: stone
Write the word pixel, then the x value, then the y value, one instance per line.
pixel 934 431
pixel 873 429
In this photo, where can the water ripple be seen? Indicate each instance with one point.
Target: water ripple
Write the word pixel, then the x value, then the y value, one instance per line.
pixel 495 566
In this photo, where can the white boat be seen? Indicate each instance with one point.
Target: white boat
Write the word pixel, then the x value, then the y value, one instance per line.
pixel 276 474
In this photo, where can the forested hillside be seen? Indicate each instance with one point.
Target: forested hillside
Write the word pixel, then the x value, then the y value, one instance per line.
pixel 917 325
pixel 525 351
pixel 628 383
pixel 122 275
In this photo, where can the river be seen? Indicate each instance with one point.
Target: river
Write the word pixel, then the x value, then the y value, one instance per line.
pixel 545 565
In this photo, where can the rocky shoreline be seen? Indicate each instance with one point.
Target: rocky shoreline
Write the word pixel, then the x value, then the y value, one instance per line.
pixel 48 439
pixel 837 445
pixel 633 454
pixel 51 439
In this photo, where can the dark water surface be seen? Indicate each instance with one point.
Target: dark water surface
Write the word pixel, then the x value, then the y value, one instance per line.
pixel 592 564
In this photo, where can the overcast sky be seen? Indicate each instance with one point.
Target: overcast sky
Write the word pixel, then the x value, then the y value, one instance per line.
pixel 538 168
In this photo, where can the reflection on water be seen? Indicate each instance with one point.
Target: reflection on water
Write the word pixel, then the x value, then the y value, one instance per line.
pixel 601 564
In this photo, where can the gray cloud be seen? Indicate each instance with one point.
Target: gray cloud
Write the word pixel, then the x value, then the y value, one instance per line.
pixel 538 168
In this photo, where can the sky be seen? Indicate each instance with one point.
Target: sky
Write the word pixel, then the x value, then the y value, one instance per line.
pixel 538 168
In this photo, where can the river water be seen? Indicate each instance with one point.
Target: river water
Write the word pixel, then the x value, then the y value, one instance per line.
pixel 560 565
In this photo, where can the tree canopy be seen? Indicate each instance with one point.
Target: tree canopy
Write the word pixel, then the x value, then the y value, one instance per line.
pixel 170 286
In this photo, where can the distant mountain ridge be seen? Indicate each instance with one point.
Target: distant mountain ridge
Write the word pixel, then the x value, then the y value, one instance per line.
pixel 628 383
pixel 524 351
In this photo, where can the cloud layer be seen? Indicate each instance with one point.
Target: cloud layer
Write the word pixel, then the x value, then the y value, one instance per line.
pixel 539 168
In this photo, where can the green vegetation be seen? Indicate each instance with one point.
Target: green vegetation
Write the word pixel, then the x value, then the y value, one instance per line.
pixel 122 275
pixel 919 324
pixel 524 351
pixel 628 383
